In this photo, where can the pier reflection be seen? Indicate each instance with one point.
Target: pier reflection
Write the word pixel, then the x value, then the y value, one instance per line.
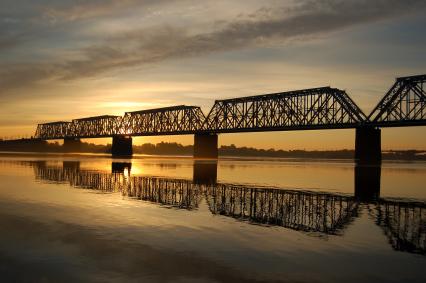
pixel 367 182
pixel 205 172
pixel 403 222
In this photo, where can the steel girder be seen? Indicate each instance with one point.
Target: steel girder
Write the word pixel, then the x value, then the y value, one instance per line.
pixel 174 120
pixel 403 105
pixel 317 108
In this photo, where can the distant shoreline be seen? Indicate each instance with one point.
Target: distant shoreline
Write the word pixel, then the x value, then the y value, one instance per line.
pixel 170 149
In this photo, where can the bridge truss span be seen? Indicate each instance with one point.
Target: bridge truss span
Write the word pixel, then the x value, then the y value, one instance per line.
pixel 308 109
pixel 317 108
pixel 53 130
pixel 91 127
pixel 99 126
pixel 403 105
pixel 175 120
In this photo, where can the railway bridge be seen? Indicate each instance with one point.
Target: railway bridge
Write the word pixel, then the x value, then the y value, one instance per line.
pixel 308 109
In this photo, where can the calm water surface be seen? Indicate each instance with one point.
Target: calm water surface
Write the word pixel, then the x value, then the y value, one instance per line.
pixel 157 219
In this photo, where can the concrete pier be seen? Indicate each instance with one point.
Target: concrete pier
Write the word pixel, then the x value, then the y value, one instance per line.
pixel 72 145
pixel 368 149
pixel 122 146
pixel 205 146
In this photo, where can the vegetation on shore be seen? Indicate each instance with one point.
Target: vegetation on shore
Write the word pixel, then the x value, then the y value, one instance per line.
pixel 165 148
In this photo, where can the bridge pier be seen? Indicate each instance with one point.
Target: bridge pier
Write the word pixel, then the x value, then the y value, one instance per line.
pixel 72 145
pixel 122 146
pixel 205 146
pixel 368 148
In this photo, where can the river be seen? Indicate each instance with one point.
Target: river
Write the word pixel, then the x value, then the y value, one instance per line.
pixel 91 218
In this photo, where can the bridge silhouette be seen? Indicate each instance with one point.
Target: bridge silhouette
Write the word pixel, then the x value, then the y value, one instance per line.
pixel 315 213
pixel 309 109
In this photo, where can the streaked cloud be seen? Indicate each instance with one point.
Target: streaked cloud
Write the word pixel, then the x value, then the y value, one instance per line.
pixel 147 45
pixel 66 11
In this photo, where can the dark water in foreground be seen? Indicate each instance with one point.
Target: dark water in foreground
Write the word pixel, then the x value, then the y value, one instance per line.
pixel 92 218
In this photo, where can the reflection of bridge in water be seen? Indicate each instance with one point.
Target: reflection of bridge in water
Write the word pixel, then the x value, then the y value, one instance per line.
pixel 302 211
pixel 403 222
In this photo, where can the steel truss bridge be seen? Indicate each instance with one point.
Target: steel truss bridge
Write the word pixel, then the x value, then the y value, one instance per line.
pixel 309 109
pixel 403 222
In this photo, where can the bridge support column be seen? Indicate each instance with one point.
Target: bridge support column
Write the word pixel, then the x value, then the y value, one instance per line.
pixel 121 146
pixel 368 148
pixel 205 146
pixel 72 145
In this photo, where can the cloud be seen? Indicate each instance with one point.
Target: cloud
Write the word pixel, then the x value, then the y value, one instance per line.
pixel 74 11
pixel 270 25
pixel 7 42
pixel 24 75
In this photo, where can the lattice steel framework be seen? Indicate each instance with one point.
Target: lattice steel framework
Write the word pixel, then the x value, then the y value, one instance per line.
pixel 99 126
pixel 52 130
pixel 317 108
pixel 403 105
pixel 92 127
pixel 176 120
pixel 308 109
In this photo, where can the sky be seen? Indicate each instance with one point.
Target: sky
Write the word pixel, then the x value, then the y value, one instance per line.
pixel 62 60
